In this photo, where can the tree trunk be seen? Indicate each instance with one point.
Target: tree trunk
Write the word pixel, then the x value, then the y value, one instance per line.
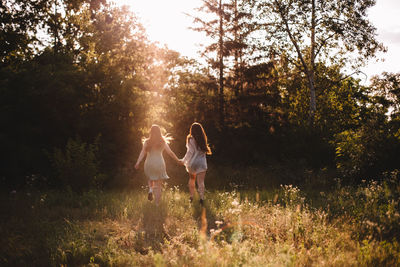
pixel 221 67
pixel 313 105
pixel 309 69
pixel 236 49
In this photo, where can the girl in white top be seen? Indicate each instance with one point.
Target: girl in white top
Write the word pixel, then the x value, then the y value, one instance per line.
pixel 195 159
pixel 154 165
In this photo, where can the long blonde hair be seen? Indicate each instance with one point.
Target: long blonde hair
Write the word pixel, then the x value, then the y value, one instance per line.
pixel 156 139
pixel 199 135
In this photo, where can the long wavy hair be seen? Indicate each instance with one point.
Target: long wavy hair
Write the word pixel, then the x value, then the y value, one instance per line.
pixel 156 139
pixel 199 135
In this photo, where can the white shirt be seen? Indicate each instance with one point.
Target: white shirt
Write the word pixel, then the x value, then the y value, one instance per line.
pixel 194 159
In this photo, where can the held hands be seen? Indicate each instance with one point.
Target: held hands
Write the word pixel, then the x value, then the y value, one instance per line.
pixel 180 162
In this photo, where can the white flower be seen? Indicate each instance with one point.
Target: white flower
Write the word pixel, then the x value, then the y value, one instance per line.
pixel 218 223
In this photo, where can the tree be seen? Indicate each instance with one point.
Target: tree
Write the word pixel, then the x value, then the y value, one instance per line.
pixel 387 86
pixel 315 31
pixel 372 145
pixel 19 22
pixel 91 80
pixel 216 29
pixel 190 96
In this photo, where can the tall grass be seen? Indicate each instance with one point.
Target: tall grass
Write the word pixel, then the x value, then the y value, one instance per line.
pixel 234 228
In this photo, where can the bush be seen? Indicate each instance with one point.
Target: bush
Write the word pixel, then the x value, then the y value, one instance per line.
pixel 375 207
pixel 77 166
pixel 368 151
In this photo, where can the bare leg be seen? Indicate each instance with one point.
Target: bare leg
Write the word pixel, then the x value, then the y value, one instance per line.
pixel 200 184
pixel 150 184
pixel 191 184
pixel 157 191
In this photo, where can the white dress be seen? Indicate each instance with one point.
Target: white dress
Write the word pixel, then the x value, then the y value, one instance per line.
pixel 154 165
pixel 194 159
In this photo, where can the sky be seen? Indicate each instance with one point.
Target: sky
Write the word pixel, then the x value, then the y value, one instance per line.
pixel 166 23
pixel 385 17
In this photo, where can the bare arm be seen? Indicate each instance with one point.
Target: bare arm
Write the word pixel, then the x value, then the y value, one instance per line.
pixel 172 154
pixel 141 156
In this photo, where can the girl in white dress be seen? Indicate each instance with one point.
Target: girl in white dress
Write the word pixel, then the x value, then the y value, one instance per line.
pixel 195 159
pixel 154 165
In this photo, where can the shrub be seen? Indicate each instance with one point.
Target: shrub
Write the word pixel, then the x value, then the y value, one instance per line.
pixel 77 166
pixel 368 151
pixel 375 207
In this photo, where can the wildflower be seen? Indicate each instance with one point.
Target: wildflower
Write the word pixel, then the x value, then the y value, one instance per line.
pixel 218 223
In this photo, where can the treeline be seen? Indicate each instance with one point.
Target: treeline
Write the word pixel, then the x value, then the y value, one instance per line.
pixel 75 78
pixel 81 84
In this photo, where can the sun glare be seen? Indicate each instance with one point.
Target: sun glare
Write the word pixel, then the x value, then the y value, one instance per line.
pixel 167 24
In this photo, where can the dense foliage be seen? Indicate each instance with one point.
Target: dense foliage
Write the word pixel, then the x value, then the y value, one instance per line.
pixel 88 79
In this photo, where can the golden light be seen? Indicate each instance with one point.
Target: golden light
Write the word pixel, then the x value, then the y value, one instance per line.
pixel 166 23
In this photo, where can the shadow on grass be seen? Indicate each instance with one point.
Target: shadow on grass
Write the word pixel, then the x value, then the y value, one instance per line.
pixel 204 215
pixel 152 233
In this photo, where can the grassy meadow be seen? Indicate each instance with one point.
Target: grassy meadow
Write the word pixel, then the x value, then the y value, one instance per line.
pixel 285 226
